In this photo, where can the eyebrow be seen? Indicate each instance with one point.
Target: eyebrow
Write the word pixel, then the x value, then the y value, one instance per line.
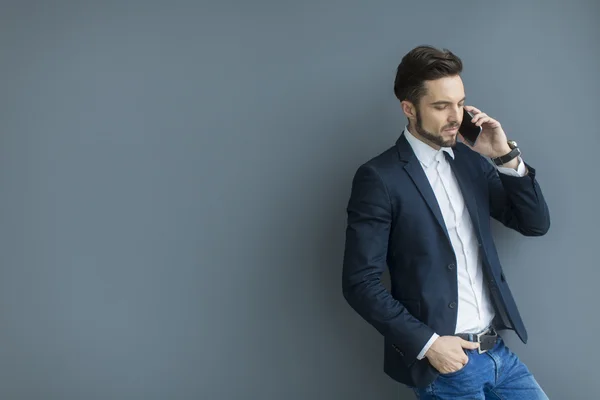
pixel 442 102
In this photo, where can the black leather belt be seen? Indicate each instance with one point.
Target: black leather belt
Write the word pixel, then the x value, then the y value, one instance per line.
pixel 486 339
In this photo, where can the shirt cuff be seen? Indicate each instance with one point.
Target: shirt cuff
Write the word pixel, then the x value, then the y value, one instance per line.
pixel 427 346
pixel 520 171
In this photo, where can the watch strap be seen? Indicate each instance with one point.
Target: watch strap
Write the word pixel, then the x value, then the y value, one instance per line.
pixel 507 157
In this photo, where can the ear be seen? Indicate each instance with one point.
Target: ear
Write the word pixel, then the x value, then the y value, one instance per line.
pixel 409 109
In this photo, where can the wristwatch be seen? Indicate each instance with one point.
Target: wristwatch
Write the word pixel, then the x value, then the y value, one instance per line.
pixel 514 152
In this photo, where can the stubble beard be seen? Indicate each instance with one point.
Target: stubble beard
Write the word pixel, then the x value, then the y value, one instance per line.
pixel 438 140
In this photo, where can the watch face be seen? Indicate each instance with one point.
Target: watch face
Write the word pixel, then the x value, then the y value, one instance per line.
pixel 512 144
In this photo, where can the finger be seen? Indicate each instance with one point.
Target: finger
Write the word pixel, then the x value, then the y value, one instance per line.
pixel 479 116
pixel 454 367
pixel 472 109
pixel 458 366
pixel 450 367
pixel 491 122
pixel 482 121
pixel 469 345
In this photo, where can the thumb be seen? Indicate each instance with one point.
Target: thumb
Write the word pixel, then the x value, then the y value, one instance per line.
pixel 469 345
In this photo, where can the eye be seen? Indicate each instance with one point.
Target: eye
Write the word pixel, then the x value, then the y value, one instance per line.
pixel 440 107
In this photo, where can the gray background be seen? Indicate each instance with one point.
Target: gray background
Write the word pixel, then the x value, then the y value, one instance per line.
pixel 174 177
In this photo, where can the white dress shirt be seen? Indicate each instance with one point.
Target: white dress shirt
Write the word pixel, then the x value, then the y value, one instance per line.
pixel 475 309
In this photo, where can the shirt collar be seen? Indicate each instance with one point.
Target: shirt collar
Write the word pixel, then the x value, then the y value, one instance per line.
pixel 425 153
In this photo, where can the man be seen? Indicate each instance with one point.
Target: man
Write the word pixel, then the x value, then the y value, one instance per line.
pixel 423 208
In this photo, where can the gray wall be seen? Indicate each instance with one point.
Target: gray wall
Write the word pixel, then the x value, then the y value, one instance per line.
pixel 174 177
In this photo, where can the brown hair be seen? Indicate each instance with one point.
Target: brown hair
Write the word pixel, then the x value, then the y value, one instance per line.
pixel 423 63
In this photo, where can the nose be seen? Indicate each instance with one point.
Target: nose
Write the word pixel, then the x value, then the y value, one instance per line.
pixel 455 115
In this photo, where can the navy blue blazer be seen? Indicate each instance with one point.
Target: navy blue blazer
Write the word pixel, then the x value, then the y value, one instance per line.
pixel 394 221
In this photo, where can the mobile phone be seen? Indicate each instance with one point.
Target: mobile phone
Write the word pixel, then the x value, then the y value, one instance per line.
pixel 469 131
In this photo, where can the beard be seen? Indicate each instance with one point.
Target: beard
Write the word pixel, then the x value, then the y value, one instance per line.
pixel 432 137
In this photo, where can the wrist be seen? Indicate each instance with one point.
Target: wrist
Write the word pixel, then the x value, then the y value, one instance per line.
pixel 513 164
pixel 502 152
pixel 431 346
pixel 509 156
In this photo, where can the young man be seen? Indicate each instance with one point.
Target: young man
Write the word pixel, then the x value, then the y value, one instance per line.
pixel 423 208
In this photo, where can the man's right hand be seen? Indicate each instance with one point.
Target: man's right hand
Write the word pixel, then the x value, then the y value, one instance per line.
pixel 446 354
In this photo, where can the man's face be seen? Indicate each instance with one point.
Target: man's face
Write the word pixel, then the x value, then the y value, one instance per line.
pixel 439 113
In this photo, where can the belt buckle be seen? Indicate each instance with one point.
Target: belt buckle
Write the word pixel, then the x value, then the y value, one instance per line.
pixel 478 337
pixel 490 331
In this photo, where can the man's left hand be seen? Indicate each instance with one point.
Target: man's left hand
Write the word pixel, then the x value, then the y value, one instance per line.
pixel 492 141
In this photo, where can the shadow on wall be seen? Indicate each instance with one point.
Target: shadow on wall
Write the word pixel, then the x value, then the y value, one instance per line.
pixel 349 339
pixel 316 164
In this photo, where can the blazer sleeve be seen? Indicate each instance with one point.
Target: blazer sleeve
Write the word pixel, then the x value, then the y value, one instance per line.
pixel 517 202
pixel 367 235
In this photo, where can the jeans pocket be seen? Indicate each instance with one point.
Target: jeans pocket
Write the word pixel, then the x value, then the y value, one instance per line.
pixel 460 371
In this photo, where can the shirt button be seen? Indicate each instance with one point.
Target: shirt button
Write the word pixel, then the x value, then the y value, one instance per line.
pixel 452 305
pixel 451 267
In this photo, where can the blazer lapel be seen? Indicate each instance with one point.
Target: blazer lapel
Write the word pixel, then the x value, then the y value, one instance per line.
pixel 463 176
pixel 416 173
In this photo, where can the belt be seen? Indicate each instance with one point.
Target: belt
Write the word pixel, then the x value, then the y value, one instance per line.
pixel 486 339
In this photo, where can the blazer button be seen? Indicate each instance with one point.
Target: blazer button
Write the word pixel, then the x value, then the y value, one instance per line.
pixel 452 305
pixel 451 267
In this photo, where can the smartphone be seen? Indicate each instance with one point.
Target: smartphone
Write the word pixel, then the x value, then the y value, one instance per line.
pixel 469 131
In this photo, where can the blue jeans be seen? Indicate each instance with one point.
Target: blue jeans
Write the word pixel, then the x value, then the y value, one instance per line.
pixel 497 374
